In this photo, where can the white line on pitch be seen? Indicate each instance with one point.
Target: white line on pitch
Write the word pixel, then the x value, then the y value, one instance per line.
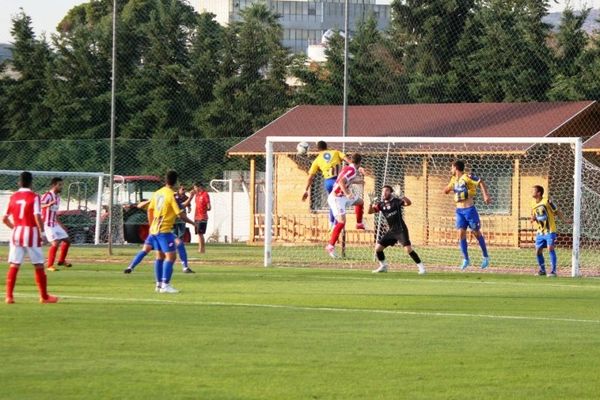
pixel 334 309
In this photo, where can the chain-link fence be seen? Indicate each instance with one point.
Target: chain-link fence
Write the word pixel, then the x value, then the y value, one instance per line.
pixel 190 84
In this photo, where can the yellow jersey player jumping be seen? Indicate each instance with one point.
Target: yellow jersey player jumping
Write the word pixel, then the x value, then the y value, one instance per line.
pixel 464 187
pixel 163 211
pixel 329 162
pixel 543 213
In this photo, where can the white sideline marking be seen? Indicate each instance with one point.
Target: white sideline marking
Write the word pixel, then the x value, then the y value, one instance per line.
pixel 333 309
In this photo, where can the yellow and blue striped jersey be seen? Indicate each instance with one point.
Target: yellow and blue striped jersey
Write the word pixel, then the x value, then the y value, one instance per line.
pixel 329 162
pixel 544 213
pixel 165 211
pixel 464 187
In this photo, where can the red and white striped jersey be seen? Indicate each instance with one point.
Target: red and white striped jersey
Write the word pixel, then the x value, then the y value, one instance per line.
pixel 22 207
pixel 49 213
pixel 349 172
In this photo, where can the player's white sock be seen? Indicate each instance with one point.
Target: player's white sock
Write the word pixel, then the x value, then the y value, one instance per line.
pixel 421 268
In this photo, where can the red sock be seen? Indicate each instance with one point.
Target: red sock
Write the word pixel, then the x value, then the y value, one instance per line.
pixel 359 210
pixel 64 249
pixel 42 282
pixel 11 279
pixel 337 229
pixel 52 255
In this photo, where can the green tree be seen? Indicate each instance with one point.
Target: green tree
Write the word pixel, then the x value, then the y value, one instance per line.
pixel 251 89
pixel 571 41
pixel 427 33
pixel 506 54
pixel 27 117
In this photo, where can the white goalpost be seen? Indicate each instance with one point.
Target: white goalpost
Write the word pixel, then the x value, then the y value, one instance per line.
pixel 76 203
pixel 295 232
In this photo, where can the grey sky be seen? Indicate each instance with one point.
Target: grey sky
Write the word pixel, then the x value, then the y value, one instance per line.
pixel 47 13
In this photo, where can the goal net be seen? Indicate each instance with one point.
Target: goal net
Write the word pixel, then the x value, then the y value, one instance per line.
pixel 297 231
pixel 83 210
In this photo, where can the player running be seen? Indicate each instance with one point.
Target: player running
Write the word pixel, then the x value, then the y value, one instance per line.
pixel 329 162
pixel 340 197
pixel 163 211
pixel 148 246
pixel 55 233
pixel 464 187
pixel 23 216
pixel 544 213
pixel 391 207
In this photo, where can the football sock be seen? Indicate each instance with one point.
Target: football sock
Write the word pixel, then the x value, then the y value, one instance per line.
pixel 42 282
pixel 52 255
pixel 64 249
pixel 553 260
pixel 359 213
pixel 541 262
pixel 158 269
pixel 182 254
pixel 380 256
pixel 137 259
pixel 413 254
pixel 481 241
pixel 11 279
pixel 337 229
pixel 167 271
pixel 331 218
pixel 464 248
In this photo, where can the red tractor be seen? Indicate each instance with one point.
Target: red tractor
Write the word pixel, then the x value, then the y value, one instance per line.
pixel 128 191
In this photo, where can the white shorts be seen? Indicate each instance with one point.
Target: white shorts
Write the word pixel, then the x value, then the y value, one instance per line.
pixel 17 254
pixel 338 204
pixel 55 232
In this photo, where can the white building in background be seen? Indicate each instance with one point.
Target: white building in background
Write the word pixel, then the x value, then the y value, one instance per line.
pixel 304 21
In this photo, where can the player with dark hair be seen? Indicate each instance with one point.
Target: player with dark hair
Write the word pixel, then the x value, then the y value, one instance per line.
pixel 55 233
pixel 202 207
pixel 163 211
pixel 179 228
pixel 23 216
pixel 340 197
pixel 464 186
pixel 544 213
pixel 391 207
pixel 329 162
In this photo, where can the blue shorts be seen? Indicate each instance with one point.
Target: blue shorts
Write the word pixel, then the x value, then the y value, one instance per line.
pixel 149 241
pixel 329 184
pixel 468 218
pixel 163 242
pixel 543 241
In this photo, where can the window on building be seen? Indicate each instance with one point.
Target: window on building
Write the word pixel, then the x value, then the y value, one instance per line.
pixel 312 9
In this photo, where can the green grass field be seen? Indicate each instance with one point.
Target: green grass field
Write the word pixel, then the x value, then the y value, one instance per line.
pixel 239 331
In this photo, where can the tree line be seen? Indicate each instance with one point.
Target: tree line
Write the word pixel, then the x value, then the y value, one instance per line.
pixel 182 75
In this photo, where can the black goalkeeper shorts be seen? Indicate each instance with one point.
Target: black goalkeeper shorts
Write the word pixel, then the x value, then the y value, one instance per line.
pixel 393 237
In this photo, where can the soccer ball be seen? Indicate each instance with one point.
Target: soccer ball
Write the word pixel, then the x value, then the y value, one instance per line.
pixel 302 148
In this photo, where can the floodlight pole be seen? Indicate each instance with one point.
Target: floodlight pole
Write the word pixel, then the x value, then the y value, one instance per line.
pixel 345 107
pixel 111 173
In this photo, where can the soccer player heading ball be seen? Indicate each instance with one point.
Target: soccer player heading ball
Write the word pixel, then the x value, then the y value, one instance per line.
pixel 543 212
pixel 391 208
pixel 464 187
pixel 340 197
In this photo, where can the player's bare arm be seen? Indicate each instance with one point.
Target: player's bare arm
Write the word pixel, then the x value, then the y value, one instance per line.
pixel 39 222
pixel 344 188
pixel 187 203
pixel 6 220
pixel 562 217
pixel 49 204
pixel 309 183
pixel 183 216
pixel 406 201
pixel 143 204
pixel 487 199
pixel 447 189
